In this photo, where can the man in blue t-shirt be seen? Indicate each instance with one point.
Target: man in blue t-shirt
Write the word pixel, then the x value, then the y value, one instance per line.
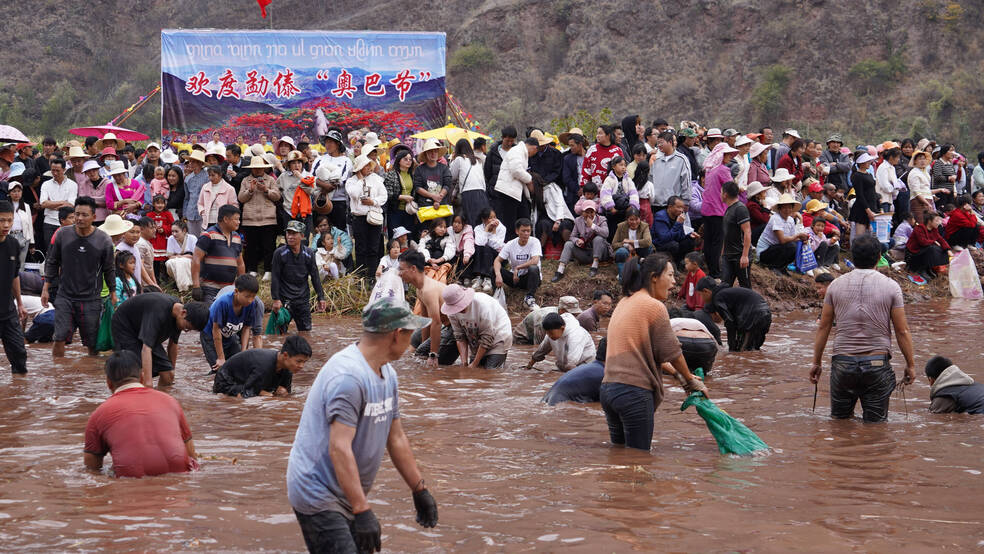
pixel 230 322
pixel 350 418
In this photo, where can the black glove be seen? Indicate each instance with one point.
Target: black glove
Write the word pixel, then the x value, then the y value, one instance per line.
pixel 367 533
pixel 197 294
pixel 426 508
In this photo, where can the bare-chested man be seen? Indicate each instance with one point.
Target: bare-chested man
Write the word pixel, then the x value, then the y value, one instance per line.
pixel 442 351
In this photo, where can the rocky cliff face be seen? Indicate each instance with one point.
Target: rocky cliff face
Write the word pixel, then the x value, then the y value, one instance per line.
pixel 871 69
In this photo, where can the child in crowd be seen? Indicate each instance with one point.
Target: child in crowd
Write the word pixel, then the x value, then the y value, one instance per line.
pixel 402 236
pixel 390 261
pixel 126 283
pixel 159 185
pixel 901 235
pixel 215 194
pixel 825 250
pixel 327 257
pixel 164 219
pixel 590 191
pixel 148 231
pixel 180 249
pixel 436 246
pixel 343 244
pixel 693 263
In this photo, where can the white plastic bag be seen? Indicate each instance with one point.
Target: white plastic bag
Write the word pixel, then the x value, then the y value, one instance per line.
pixel 500 295
pixel 389 285
pixel 964 281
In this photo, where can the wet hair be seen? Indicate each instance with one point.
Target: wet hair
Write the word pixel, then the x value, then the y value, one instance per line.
pixel 296 345
pixel 553 321
pixel 228 211
pixel 146 222
pixel 247 283
pixel 413 258
pixel 84 201
pixel 463 148
pixel 936 365
pixel 695 258
pixel 64 212
pixel 197 314
pixel 706 283
pixel 60 162
pixel 121 367
pixel 640 271
pixel 6 207
pixel 523 222
pixel 509 132
pixel 823 278
pixel 602 351
pixel 590 187
pixel 600 293
pixel 963 201
pixel 929 216
pixel 730 189
pixel 485 213
pixel 865 251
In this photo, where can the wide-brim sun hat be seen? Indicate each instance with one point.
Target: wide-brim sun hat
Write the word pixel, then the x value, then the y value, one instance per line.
pixel 865 158
pixel 815 206
pixel 792 132
pixel 541 139
pixel 456 299
pixel 782 175
pixel 728 149
pixel 916 154
pixel 115 167
pixel 334 135
pixel 742 141
pixel 115 225
pixel 564 137
pixel 360 163
pixel 109 139
pixel 755 188
pixel 89 165
pixel 836 137
pixel 569 304
pixel 785 200
pixel 198 156
pixel 76 152
pixel 714 132
pixel 400 232
pixel 430 144
pixel 257 162
pixel 168 156
pixel 295 156
pixel 217 152
pixel 288 140
pixel 757 149
pixel 16 170
pixel 108 151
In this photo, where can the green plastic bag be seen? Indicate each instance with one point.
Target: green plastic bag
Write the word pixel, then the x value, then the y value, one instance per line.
pixel 731 435
pixel 277 322
pixel 104 338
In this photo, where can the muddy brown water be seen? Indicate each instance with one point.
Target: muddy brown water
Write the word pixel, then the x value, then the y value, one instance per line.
pixel 510 473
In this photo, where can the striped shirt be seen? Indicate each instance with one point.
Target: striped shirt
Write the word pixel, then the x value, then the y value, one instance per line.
pixel 221 264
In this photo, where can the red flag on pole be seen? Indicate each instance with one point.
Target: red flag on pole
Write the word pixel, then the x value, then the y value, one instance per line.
pixel 263 4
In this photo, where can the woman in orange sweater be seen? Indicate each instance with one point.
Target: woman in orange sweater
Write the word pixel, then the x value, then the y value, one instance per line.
pixel 641 344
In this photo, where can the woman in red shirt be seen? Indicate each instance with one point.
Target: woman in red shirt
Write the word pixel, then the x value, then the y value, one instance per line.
pixel 926 250
pixel 756 210
pixel 963 229
pixel 793 161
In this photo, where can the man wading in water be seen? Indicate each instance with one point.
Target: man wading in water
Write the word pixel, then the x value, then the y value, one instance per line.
pixel 351 414
pixel 865 305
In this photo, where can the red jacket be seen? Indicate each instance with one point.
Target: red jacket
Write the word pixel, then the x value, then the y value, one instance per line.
pixel 688 290
pixel 922 237
pixel 959 219
pixel 793 165
pixel 759 215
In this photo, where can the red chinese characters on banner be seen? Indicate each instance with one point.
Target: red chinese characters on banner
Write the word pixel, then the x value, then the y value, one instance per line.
pixel 372 86
pixel 403 81
pixel 284 86
pixel 227 84
pixel 256 84
pixel 196 84
pixel 343 85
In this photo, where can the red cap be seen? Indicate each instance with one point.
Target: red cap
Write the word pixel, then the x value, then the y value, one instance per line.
pixel 816 187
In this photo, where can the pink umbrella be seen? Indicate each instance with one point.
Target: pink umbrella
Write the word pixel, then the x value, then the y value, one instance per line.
pixel 99 130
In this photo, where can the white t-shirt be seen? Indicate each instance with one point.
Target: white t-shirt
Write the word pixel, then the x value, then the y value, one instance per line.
pixel 517 254
pixel 53 192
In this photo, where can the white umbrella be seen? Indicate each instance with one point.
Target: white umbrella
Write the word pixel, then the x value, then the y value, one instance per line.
pixel 11 134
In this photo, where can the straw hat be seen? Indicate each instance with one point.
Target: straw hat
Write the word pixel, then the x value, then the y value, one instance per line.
pixel 295 156
pixel 541 139
pixel 71 143
pixel 782 175
pixel 815 206
pixel 564 137
pixel 361 162
pixel 197 155
pixel 757 149
pixel 76 152
pixel 115 225
pixel 786 199
pixel 430 144
pixel 755 188
pixel 115 167
pixel 257 162
pixel 109 139
pixel 168 156
pixel 916 154
pixel 456 299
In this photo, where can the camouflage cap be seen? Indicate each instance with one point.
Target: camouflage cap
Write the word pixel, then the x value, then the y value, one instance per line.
pixel 387 314
pixel 687 132
pixel 296 226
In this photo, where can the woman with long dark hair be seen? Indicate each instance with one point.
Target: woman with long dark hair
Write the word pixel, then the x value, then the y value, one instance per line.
pixel 469 180
pixel 599 155
pixel 175 182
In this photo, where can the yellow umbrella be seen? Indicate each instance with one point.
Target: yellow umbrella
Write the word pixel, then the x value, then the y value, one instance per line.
pixel 450 133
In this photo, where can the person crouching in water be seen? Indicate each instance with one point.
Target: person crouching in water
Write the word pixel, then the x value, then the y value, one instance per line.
pixel 952 390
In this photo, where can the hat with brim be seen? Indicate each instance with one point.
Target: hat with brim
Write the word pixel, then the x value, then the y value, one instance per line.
pixel 755 188
pixel 115 225
pixel 71 143
pixel 541 139
pixel 728 150
pixel 792 132
pixel 782 175
pixel 90 165
pixel 815 206
pixel 197 156
pixel 757 148
pixel 815 186
pixel 13 183
pixel 389 314
pixel 888 145
pixel 400 232
pixel 16 170
pixel 109 139
pixel 257 162
pixel 786 200
pixel 288 140
pixel 76 152
pixel 334 135
pixel 569 304
pixel 730 132
pixel 688 133
pixel 456 298
pixel 198 146
pixel 168 156
pixel 865 158
pixel 714 132
pixel 431 144
pixel 742 141
pixel 835 138
pixel 295 156
pixel 564 137
pixel 916 154
pixel 115 167
pixel 361 162
pixel 372 141
pixel 217 152
pixel 108 151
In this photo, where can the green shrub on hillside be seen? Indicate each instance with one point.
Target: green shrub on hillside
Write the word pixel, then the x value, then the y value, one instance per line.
pixel 768 94
pixel 878 75
pixel 583 120
pixel 472 56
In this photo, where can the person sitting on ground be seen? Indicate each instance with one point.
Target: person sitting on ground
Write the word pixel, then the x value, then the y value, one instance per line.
pixel 779 242
pixel 490 238
pixel 328 258
pixel 589 240
pixel 927 251
pixel 571 345
pixel 263 372
pixel 758 214
pixel 437 246
pixel 144 430
pixel 481 326
pixel 601 306
pixel 952 390
pixel 698 344
pixel 141 325
pixel 230 320
pixel 746 315
pixel 668 232
pixel 825 250
pixel 632 238
pixel 694 264
pixel 523 254
pixel 962 228
pixel 901 235
pixel 442 351
pixel 581 384
pixel 530 330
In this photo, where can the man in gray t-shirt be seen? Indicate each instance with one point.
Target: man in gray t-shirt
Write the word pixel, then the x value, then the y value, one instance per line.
pixel 350 418
pixel 865 305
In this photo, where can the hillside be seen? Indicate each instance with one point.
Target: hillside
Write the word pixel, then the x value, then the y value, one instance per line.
pixel 869 69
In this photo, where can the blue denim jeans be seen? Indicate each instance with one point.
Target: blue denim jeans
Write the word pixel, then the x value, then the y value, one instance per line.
pixel 629 411
pixel 327 532
pixel 866 378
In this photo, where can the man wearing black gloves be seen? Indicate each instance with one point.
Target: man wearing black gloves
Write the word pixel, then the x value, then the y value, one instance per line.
pixel 293 264
pixel 351 415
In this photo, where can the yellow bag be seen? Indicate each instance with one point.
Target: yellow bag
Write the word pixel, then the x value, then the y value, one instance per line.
pixel 427 213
